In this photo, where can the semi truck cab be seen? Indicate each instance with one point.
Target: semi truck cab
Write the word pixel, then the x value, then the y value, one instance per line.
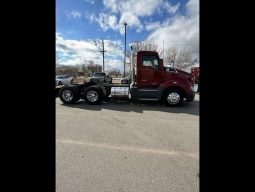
pixel 150 80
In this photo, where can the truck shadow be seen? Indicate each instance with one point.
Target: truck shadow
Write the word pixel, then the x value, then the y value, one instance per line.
pixel 191 108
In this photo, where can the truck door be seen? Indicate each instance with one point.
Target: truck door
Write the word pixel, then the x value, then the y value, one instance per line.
pixel 149 74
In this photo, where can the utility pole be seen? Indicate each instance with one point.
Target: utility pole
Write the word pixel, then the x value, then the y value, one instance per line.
pixel 101 51
pixel 125 50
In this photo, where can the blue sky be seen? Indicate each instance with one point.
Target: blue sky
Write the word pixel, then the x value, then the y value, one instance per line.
pixel 80 22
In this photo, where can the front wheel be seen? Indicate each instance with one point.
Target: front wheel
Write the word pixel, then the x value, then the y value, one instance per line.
pixel 173 97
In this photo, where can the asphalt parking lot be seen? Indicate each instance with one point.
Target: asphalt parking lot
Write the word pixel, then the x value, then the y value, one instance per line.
pixel 122 147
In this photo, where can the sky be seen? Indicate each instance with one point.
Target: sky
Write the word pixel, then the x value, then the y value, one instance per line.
pixel 82 26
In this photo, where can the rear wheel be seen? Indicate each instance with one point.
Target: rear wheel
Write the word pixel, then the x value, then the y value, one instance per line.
pixel 93 96
pixel 173 97
pixel 69 95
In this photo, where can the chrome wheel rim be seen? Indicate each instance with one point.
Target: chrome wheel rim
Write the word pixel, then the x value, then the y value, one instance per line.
pixel 92 96
pixel 173 98
pixel 67 95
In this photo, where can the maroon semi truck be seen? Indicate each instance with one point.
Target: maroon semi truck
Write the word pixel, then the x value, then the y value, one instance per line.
pixel 150 81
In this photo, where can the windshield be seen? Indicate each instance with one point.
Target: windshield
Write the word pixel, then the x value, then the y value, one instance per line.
pixel 59 77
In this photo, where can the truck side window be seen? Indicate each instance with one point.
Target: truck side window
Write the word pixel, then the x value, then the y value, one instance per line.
pixel 147 61
pixel 150 61
pixel 155 62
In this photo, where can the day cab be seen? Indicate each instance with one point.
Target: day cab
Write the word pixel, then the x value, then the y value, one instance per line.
pixel 150 81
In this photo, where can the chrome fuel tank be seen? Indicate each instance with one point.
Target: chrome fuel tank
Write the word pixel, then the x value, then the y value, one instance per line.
pixel 119 91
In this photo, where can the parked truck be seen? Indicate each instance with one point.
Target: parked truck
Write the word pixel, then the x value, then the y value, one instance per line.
pixel 100 77
pixel 150 81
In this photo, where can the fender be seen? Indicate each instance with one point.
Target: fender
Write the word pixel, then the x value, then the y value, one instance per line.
pixel 174 83
pixel 180 82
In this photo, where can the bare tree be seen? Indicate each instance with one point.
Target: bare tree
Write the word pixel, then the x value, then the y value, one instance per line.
pixel 147 46
pixel 180 59
pixel 144 46
pixel 92 67
pixel 85 69
pixel 66 69
pixel 114 72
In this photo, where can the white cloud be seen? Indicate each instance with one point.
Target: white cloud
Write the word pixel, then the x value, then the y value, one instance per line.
pixel 75 52
pixel 90 16
pixel 138 7
pixel 104 20
pixel 113 5
pixel 193 7
pixel 131 11
pixel 90 1
pixel 152 26
pixel 180 31
pixel 131 20
pixel 171 9
pixel 141 8
pixel 107 21
pixel 74 15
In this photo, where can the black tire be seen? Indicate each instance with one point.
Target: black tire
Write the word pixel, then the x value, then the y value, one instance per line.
pixel 69 95
pixel 93 96
pixel 173 97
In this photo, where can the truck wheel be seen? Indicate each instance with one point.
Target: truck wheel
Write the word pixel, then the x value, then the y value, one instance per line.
pixel 173 97
pixel 93 96
pixel 69 95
